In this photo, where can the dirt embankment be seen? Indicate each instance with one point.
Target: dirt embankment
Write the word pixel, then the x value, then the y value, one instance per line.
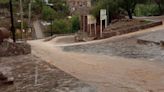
pixel 124 24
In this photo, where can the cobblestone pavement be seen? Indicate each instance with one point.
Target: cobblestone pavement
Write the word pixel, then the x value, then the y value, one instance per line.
pixel 128 48
pixel 106 73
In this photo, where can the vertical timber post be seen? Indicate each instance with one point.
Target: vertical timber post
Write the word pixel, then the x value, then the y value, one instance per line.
pixel 12 21
pixel 29 21
pixel 21 14
pixel 101 29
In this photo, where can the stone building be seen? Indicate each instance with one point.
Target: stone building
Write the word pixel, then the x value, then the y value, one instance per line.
pixel 80 7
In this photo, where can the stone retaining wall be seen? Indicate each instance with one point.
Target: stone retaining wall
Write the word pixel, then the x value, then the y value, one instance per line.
pixel 12 49
pixel 161 43
pixel 108 34
pixel 139 41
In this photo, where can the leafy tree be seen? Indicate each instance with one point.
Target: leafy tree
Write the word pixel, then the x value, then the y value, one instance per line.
pixel 48 13
pixel 4 1
pixel 129 6
pixel 114 6
pixel 160 4
pixel 61 26
pixel 61 7
pixel 75 24
pixel 110 5
pixel 37 7
pixel 94 1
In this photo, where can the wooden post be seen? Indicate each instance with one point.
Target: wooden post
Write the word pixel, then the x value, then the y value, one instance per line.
pixel 90 29
pixel 95 29
pixel 101 29
pixel 21 14
pixel 12 21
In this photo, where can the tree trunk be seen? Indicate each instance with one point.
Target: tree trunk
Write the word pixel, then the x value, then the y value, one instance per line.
pixel 130 14
pixel 160 8
pixel 12 21
pixel 109 18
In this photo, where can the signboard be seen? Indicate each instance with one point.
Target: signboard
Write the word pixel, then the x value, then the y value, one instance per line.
pixel 91 19
pixel 103 15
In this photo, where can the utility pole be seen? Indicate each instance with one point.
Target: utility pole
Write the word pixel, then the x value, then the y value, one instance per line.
pixel 29 15
pixel 21 15
pixel 29 19
pixel 12 21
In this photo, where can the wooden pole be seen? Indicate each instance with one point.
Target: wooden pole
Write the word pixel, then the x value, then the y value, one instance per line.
pixel 21 14
pixel 12 21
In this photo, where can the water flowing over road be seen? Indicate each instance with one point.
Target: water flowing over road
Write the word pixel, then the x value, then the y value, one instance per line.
pixel 105 73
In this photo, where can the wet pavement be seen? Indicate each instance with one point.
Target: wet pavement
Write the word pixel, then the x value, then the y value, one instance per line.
pixel 128 48
pixel 154 37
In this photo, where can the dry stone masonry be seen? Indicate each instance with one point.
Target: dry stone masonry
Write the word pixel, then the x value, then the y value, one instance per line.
pixel 12 49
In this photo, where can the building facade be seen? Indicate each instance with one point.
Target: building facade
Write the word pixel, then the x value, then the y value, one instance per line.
pixel 80 7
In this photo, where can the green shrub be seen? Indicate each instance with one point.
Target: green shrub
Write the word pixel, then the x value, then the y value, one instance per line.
pixel 48 13
pixel 75 24
pixel 64 26
pixel 60 26
pixel 146 10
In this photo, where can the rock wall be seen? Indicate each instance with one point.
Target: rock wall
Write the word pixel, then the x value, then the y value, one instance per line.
pixel 13 49
pixel 108 34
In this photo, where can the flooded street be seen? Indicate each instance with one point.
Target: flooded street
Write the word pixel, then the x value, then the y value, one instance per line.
pixel 117 64
pixel 126 47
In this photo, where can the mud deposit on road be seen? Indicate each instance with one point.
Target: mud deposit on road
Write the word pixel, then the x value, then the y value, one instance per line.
pixel 50 78
pixel 126 47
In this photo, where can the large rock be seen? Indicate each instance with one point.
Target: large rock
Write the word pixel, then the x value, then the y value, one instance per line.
pixel 4 33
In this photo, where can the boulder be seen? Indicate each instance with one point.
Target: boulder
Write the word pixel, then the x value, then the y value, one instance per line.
pixel 4 34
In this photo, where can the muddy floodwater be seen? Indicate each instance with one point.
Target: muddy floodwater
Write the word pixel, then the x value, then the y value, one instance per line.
pixel 126 47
